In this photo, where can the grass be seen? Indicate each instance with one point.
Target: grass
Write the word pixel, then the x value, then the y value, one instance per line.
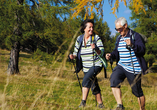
pixel 45 87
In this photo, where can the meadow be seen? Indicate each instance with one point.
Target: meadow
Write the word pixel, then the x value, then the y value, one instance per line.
pixel 41 86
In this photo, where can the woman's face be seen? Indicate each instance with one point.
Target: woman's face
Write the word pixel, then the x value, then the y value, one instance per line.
pixel 89 29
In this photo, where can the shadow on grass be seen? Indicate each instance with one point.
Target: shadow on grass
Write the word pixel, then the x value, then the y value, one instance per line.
pixel 4 53
pixel 25 56
pixel 148 86
pixel 154 69
pixel 20 55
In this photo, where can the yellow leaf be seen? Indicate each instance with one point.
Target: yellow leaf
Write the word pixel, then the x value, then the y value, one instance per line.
pixel 137 5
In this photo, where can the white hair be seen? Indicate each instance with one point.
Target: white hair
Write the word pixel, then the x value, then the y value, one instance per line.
pixel 122 20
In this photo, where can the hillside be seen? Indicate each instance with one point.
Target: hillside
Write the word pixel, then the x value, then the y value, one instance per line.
pixel 48 87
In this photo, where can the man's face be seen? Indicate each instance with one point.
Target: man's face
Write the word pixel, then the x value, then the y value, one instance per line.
pixel 121 29
pixel 89 29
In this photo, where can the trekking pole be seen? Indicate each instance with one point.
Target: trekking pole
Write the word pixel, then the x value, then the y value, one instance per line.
pixel 76 73
pixel 94 73
pixel 129 48
pixel 105 74
pixel 111 62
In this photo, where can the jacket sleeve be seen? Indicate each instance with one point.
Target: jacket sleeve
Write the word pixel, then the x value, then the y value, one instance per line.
pixel 138 45
pixel 113 53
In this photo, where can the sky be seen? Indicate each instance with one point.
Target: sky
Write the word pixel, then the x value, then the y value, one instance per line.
pixel 123 11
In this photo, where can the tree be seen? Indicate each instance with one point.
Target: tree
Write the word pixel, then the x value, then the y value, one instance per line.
pixel 146 24
pixel 14 56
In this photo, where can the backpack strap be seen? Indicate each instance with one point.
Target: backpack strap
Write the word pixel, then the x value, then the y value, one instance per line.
pixel 143 37
pixel 93 39
pixel 133 37
pixel 117 39
pixel 80 41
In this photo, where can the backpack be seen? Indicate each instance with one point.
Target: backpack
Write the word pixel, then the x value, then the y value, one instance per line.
pixel 144 38
pixel 79 65
pixel 79 60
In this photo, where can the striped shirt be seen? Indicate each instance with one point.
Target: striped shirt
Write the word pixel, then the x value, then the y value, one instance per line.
pixel 87 53
pixel 126 59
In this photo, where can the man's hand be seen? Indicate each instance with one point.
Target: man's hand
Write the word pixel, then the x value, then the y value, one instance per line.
pixel 128 42
pixel 108 55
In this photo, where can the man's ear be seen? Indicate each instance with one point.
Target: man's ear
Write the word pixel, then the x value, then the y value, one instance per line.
pixel 125 25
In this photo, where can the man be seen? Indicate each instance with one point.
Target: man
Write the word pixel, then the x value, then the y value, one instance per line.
pixel 129 51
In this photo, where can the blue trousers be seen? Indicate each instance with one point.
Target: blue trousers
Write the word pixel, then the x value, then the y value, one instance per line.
pixel 90 79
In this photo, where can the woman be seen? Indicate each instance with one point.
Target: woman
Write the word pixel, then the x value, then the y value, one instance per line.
pixel 91 63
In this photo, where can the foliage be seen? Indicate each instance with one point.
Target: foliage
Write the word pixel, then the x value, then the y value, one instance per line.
pixel 145 23
pixel 41 24
pixel 151 48
pixel 103 31
pixel 39 55
pixel 150 59
pixel 90 5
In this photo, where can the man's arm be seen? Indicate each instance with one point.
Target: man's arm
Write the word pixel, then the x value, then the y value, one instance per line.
pixel 138 45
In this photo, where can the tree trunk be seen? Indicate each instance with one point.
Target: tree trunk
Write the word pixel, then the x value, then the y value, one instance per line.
pixel 14 59
pixel 14 54
pixel 150 63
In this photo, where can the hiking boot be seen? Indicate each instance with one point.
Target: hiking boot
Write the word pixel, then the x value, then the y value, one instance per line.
pixel 83 104
pixel 101 105
pixel 120 107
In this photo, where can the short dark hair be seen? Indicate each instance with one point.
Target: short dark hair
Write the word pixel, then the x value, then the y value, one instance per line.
pixel 83 25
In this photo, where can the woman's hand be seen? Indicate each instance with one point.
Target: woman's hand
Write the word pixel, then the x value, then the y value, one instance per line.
pixel 95 48
pixel 71 56
pixel 93 45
